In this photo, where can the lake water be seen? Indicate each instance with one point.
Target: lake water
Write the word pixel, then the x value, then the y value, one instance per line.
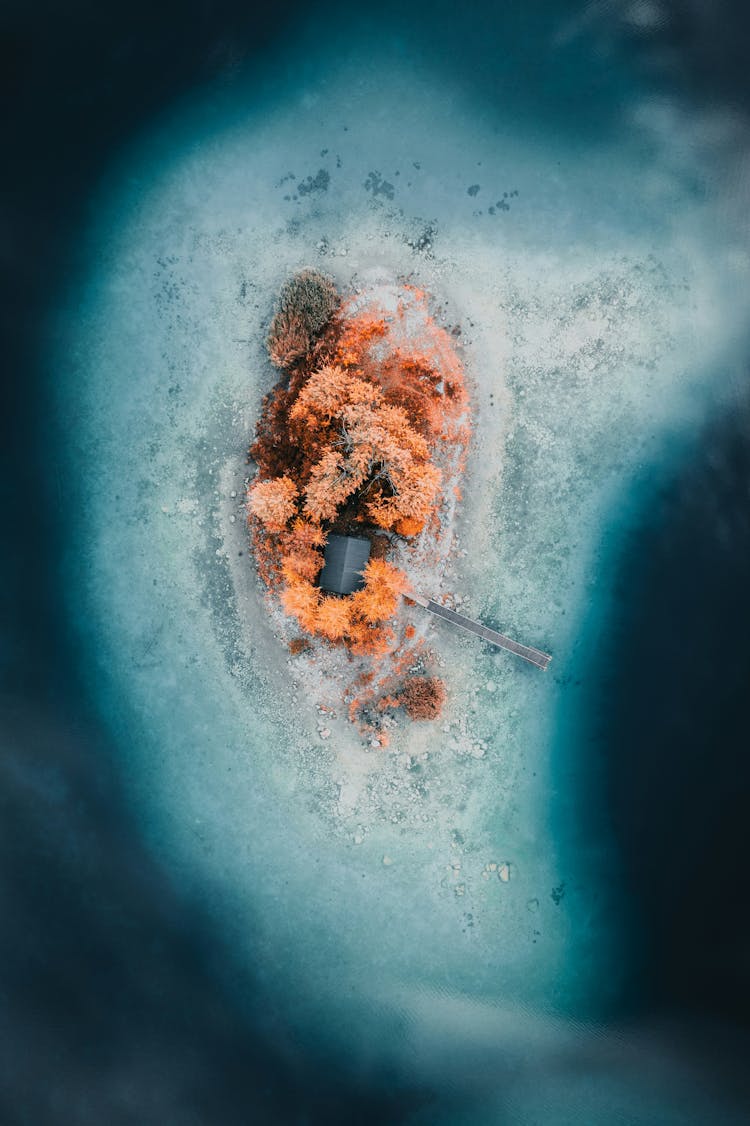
pixel 585 228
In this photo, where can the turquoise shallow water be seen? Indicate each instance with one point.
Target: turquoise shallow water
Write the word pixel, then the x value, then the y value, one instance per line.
pixel 601 299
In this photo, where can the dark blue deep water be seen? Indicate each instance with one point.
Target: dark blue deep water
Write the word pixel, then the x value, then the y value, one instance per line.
pixel 119 1002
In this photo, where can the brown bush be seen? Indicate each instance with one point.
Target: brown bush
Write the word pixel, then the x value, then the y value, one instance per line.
pixel 422 697
pixel 288 339
pixel 304 307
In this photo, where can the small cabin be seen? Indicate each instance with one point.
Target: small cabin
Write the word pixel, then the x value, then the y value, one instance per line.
pixel 345 559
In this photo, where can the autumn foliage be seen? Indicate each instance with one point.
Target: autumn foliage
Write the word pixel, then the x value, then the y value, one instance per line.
pixel 368 449
pixel 273 502
pixel 348 442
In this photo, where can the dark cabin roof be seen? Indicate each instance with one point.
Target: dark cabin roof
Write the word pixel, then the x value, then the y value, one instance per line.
pixel 345 559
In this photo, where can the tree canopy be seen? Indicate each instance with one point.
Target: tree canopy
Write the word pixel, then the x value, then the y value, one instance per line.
pixel 348 441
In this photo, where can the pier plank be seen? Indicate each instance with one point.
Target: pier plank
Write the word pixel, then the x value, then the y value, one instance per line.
pixel 527 652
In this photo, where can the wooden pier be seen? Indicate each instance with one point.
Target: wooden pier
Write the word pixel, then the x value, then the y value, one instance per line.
pixel 534 656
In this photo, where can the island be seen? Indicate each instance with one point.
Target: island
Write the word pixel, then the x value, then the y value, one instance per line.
pixel 359 453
